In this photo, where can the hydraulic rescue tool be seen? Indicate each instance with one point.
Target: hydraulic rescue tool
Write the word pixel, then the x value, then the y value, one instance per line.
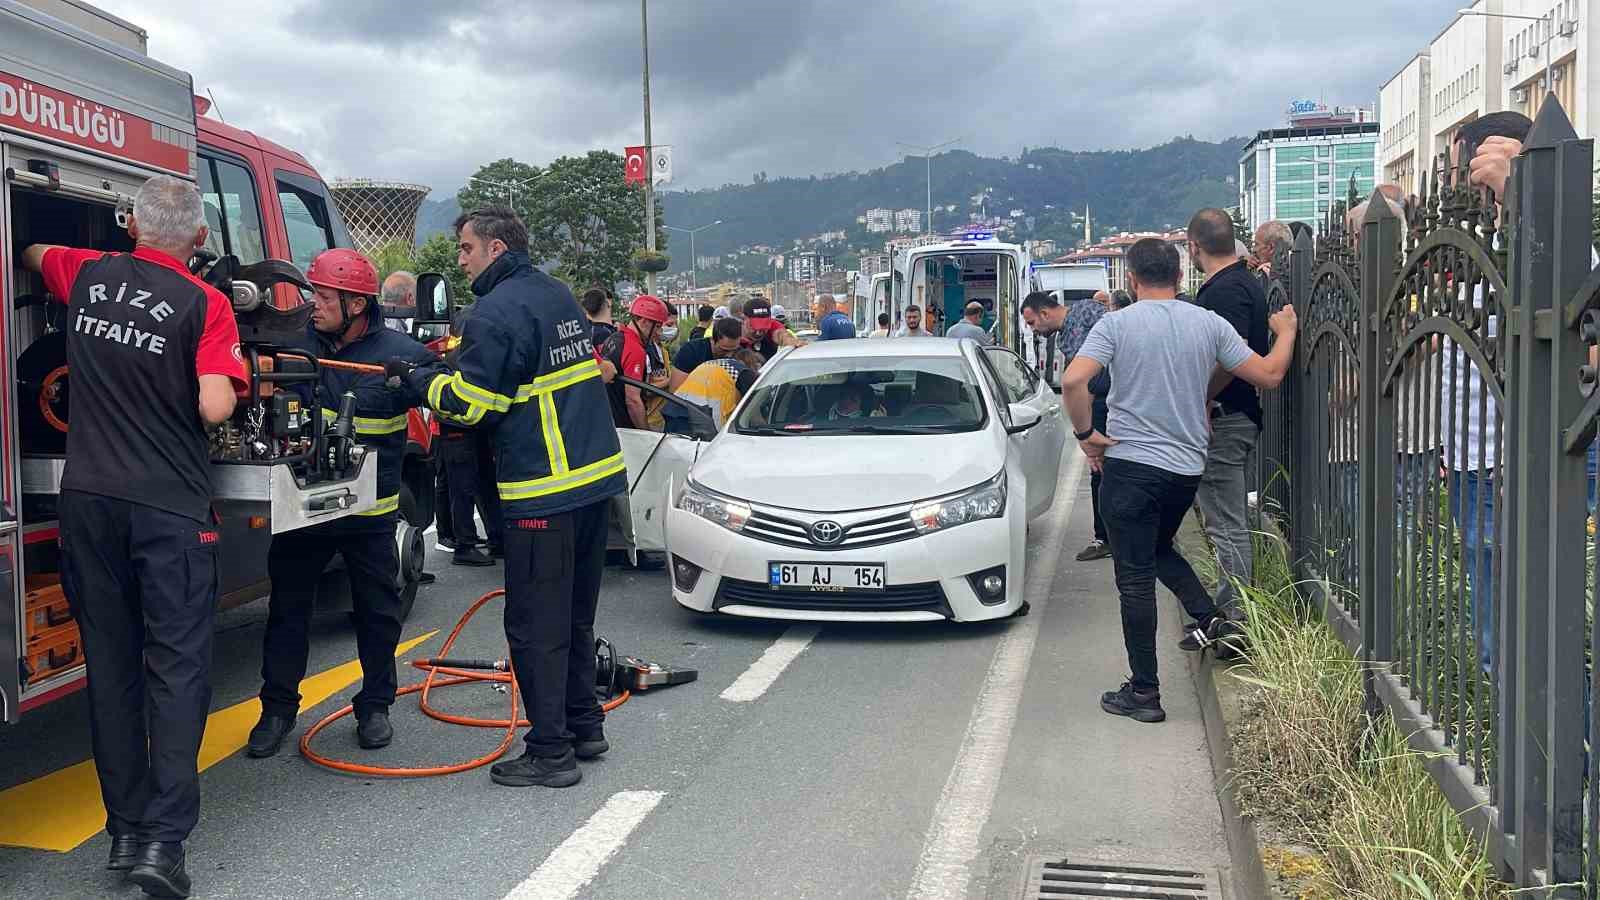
pixel 616 680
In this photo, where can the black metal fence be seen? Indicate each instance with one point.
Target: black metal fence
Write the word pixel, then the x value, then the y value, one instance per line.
pixel 1431 460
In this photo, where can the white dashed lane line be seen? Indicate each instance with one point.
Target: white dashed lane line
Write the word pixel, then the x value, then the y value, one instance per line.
pixel 763 672
pixel 580 857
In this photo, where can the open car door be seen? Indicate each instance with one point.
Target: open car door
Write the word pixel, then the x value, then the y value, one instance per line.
pixel 656 462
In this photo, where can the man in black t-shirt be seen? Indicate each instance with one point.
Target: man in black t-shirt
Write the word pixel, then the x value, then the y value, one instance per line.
pixel 1233 292
pixel 703 326
pixel 155 361
pixel 723 343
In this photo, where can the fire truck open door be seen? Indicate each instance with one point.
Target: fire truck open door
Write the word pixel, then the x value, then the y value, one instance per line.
pixel 10 539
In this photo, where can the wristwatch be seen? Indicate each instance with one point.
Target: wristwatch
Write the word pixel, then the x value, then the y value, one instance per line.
pixel 1084 435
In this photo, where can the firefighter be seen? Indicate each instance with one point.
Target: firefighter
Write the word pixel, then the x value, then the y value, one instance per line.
pixel 346 325
pixel 155 360
pixel 527 369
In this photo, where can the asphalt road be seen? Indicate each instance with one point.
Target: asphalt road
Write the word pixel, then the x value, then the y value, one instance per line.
pixel 840 761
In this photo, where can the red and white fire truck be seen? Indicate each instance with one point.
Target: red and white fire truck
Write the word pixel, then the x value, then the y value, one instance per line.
pixel 85 117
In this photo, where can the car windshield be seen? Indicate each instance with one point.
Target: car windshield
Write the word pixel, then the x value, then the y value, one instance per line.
pixel 867 395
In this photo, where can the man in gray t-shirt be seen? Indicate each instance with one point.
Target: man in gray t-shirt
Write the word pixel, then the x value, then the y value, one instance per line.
pixel 1155 452
pixel 970 325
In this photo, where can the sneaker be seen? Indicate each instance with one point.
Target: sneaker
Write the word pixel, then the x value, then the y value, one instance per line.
pixel 1222 635
pixel 1194 637
pixel 444 543
pixel 591 747
pixel 471 556
pixel 1140 706
pixel 1095 550
pixel 528 770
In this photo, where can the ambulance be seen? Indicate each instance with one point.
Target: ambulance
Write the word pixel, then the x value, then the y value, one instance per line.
pixel 85 117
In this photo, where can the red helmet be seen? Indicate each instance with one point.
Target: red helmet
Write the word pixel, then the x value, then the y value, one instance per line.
pixel 649 308
pixel 344 270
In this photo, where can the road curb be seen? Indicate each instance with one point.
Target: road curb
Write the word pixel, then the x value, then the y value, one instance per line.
pixel 1249 875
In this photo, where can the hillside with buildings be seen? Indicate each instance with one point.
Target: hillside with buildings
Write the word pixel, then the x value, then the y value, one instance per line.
pixel 1041 194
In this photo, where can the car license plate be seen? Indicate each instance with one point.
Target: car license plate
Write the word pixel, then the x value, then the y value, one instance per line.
pixel 786 576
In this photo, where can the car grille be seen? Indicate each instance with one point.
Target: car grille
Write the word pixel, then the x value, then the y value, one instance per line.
pixel 885 528
pixel 926 597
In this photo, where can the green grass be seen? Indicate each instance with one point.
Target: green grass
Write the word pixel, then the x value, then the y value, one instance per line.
pixel 1309 761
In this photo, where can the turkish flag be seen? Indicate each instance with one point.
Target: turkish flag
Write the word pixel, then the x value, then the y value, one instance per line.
pixel 636 169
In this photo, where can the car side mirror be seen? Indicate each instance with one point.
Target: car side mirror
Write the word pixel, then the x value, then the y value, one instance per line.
pixel 701 426
pixel 1023 417
pixel 434 300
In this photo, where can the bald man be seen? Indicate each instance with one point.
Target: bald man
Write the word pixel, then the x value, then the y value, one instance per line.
pixel 399 293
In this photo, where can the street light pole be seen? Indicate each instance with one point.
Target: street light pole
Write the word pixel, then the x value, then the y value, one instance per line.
pixel 694 261
pixel 649 151
pixel 927 155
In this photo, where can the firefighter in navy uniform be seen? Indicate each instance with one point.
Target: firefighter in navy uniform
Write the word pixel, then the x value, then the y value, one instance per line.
pixel 526 368
pixel 347 326
pixel 154 356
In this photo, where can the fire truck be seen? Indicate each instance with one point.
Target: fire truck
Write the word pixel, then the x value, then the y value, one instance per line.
pixel 85 117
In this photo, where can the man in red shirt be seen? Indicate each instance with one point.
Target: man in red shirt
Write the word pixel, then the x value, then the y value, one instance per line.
pixel 154 360
pixel 648 314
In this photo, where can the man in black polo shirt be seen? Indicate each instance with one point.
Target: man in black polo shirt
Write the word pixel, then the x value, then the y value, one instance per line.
pixel 155 361
pixel 1234 293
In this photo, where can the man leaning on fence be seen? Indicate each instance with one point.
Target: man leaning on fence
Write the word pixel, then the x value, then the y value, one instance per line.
pixel 1154 451
pixel 1232 292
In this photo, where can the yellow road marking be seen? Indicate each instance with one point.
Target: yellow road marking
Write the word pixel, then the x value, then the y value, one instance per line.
pixel 61 810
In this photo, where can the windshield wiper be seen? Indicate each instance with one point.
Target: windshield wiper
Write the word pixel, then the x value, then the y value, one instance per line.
pixel 770 431
pixel 899 429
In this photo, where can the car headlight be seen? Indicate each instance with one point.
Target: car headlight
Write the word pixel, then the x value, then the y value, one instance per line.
pixel 725 511
pixel 986 501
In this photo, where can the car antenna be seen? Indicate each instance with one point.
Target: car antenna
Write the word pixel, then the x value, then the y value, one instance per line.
pixel 215 107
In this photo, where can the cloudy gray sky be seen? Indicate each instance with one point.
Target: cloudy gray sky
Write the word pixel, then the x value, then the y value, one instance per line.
pixel 426 91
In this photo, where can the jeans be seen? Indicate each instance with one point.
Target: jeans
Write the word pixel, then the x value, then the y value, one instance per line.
pixel 1468 492
pixel 1224 500
pixel 1099 414
pixel 1144 507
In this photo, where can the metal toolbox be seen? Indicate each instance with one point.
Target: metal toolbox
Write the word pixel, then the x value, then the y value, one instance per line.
pixel 269 491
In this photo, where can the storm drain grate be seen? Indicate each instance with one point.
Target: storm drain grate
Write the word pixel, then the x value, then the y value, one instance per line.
pixel 1063 880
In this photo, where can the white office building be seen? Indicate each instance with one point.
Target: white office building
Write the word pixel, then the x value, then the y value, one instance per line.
pixel 1405 143
pixel 908 221
pixel 1563 39
pixel 1462 62
pixel 879 220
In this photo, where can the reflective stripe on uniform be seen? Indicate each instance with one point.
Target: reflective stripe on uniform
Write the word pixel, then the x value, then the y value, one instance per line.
pixel 556 484
pixel 559 379
pixel 553 443
pixel 469 393
pixel 385 506
pixel 370 426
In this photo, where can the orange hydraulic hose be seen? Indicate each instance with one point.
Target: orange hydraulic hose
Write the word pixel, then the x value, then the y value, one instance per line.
pixel 456 676
pixel 363 368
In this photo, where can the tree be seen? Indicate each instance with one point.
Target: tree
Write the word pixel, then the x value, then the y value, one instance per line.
pixel 438 254
pixel 504 182
pixel 583 215
pixel 1241 227
pixel 392 257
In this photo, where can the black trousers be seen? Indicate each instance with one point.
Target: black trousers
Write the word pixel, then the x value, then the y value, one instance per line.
pixel 1099 413
pixel 142 583
pixel 1144 506
pixel 295 565
pixel 553 571
pixel 469 461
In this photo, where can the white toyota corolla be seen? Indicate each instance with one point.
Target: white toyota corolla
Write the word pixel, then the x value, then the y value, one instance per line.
pixel 870 480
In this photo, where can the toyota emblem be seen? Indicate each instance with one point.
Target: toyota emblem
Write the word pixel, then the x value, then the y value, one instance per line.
pixel 827 532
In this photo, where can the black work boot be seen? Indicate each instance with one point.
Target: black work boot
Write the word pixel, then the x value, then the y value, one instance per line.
pixel 373 729
pixel 268 735
pixel 124 852
pixel 159 870
pixel 528 770
pixel 1140 706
